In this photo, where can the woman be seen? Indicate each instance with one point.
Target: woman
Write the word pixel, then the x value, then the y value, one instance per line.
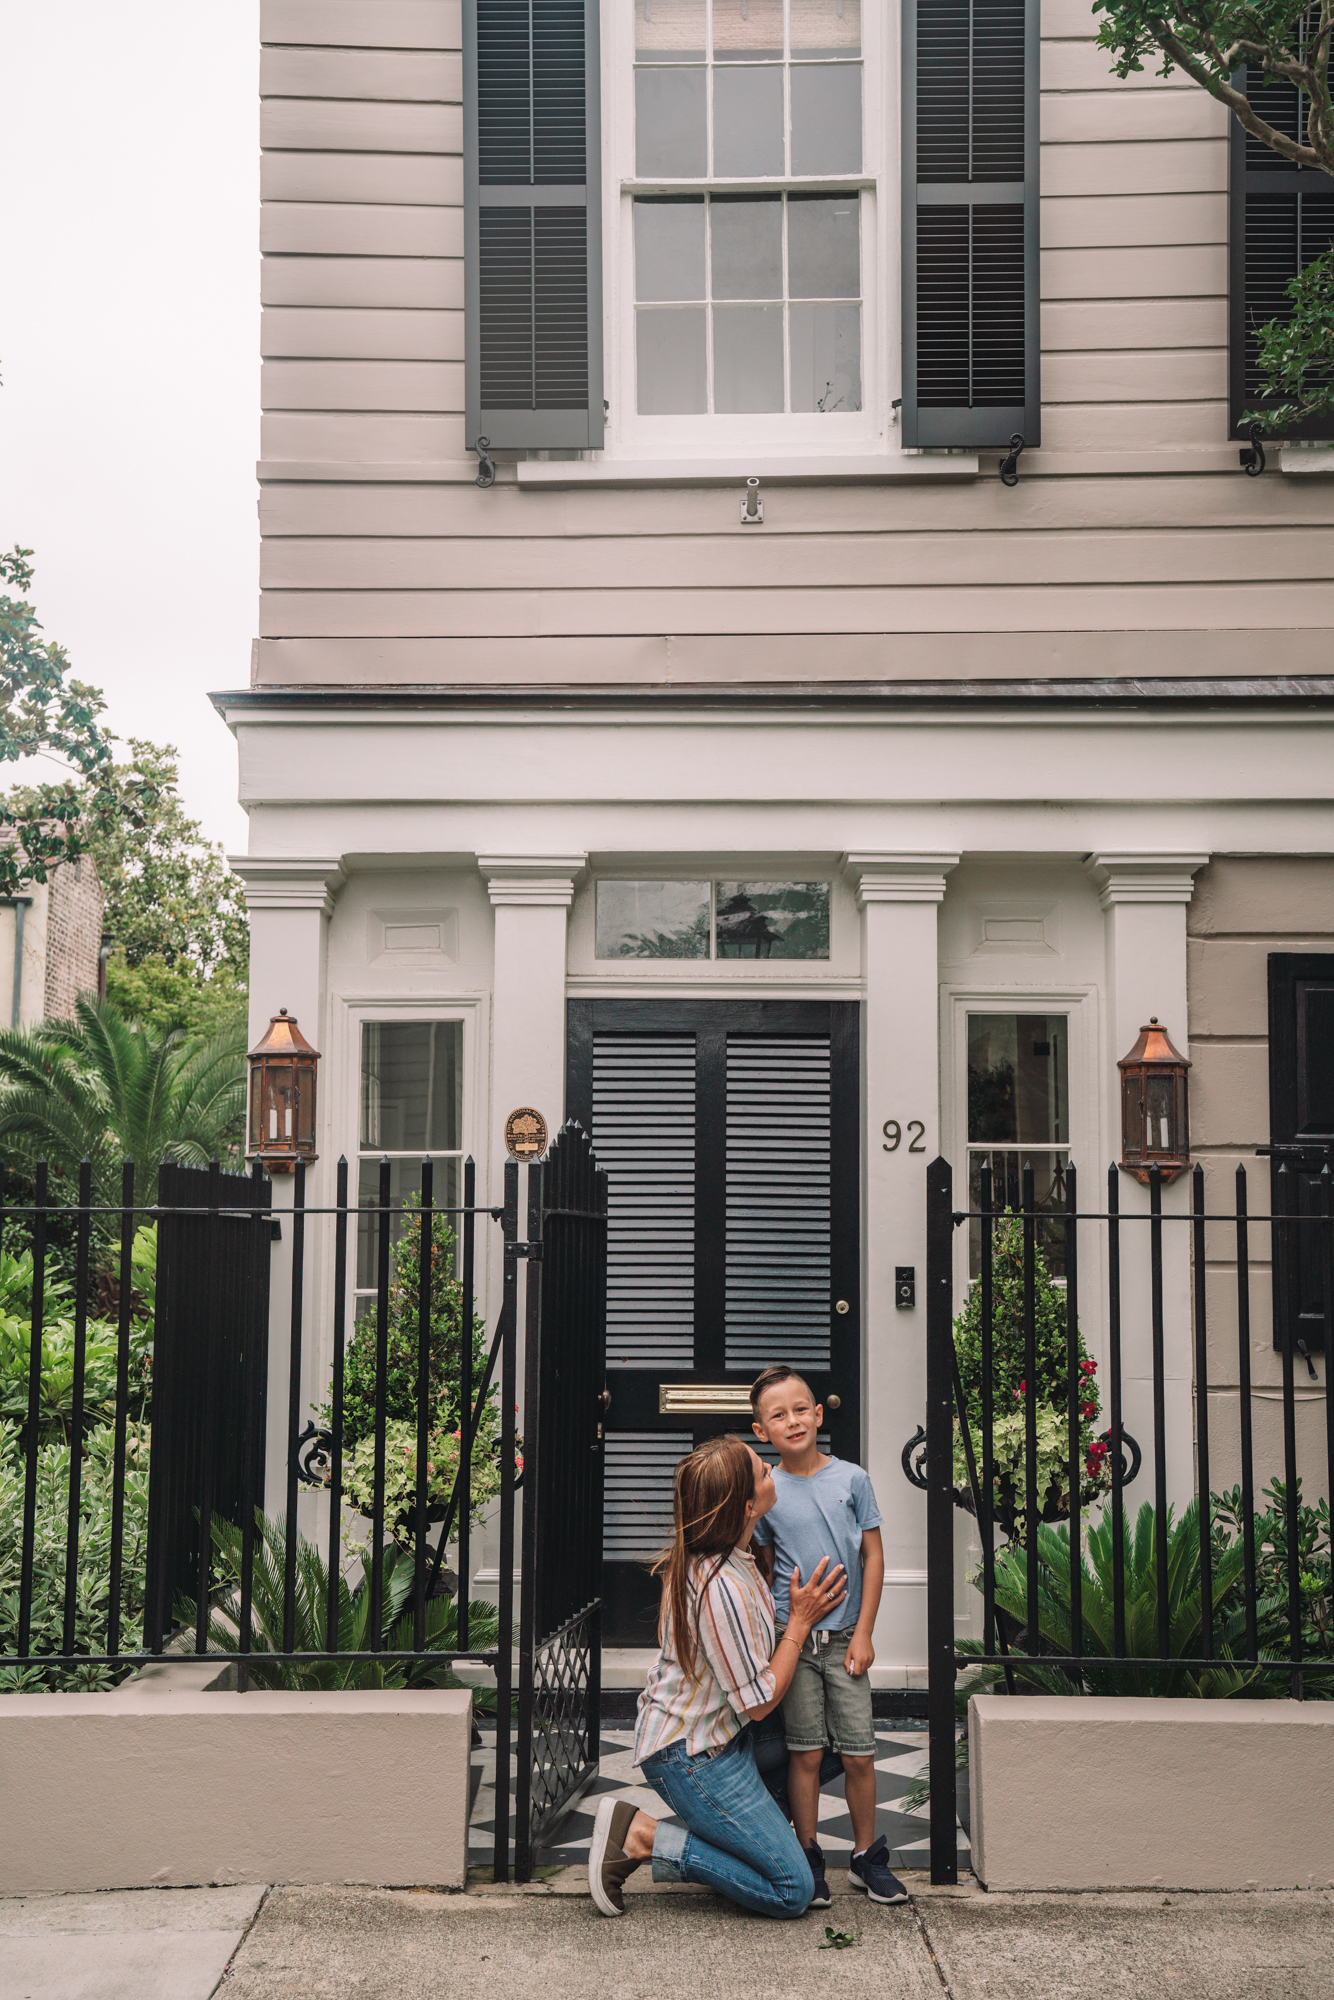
pixel 717 1670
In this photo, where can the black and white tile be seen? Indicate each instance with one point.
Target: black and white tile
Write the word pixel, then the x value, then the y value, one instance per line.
pixel 901 1754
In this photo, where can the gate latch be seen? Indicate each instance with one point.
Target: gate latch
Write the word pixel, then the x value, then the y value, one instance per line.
pixel 532 1251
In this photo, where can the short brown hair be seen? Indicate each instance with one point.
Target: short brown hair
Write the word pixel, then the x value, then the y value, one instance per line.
pixel 769 1378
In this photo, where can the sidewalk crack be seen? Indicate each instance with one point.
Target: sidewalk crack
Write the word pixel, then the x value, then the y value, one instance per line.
pixel 926 1940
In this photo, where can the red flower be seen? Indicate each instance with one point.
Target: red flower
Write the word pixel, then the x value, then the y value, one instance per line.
pixel 1088 1367
pixel 1088 1409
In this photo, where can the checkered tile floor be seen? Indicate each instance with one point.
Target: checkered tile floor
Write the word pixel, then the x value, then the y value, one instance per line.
pixel 900 1757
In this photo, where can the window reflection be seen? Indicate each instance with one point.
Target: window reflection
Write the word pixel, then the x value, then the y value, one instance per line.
pixel 773 920
pixel 1018 1115
pixel 652 920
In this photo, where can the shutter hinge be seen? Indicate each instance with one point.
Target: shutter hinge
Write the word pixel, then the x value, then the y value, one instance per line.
pixel 1252 459
pixel 486 471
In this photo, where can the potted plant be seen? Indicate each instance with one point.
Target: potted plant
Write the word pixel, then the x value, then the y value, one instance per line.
pixel 1009 1425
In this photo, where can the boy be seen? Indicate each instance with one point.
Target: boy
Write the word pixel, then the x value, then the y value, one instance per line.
pixel 825 1507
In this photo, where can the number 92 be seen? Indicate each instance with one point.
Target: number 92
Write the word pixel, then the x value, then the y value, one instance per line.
pixel 893 1132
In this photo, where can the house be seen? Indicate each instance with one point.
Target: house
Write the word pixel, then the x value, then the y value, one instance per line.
pixel 51 944
pixel 767 647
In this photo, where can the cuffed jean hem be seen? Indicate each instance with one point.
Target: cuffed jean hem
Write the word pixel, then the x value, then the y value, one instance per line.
pixel 669 1853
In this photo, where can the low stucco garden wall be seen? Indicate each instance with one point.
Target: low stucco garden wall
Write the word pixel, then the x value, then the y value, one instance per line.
pixel 158 1785
pixel 1125 1792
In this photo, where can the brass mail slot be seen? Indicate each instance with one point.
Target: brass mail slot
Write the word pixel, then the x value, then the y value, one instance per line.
pixel 717 1399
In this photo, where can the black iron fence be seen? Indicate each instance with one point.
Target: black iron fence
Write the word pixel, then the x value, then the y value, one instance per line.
pixel 1075 1594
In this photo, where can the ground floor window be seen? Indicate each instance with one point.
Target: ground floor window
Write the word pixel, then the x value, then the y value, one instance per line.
pixel 1019 1113
pixel 411 1109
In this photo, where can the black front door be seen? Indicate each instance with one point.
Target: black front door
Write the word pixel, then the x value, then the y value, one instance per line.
pixel 1301 1131
pixel 729 1132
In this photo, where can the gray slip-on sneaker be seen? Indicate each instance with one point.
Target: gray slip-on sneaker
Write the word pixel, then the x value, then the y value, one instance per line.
pixel 608 1862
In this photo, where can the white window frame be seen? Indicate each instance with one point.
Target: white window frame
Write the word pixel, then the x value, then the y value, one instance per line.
pixel 869 432
pixel 1079 1005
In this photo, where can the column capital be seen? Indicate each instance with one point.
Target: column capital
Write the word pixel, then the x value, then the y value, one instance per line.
pixel 288 882
pixel 1144 878
pixel 532 878
pixel 898 878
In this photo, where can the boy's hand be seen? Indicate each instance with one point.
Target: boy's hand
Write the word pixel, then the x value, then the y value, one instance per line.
pixel 860 1654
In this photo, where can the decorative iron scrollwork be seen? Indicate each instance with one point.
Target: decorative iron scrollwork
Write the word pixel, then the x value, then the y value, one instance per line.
pixel 1130 1468
pixel 1009 465
pixel 486 476
pixel 314 1456
pixel 913 1459
pixel 1252 457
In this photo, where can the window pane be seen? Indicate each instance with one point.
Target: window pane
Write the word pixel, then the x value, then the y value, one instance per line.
pixel 1018 1092
pixel 747 359
pixel 748 121
pixel 670 31
pixel 826 27
pixel 825 344
pixel 748 30
pixel 670 360
pixel 405 1180
pixel 411 1085
pixel 823 247
pixel 773 920
pixel 747 246
pixel 652 919
pixel 1007 1192
pixel 669 248
pixel 826 118
pixel 669 122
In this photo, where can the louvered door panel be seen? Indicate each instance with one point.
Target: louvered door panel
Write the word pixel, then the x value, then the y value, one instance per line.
pixel 778 1202
pixel 533 302
pixel 644 1135
pixel 1282 218
pixel 637 1492
pixel 970 223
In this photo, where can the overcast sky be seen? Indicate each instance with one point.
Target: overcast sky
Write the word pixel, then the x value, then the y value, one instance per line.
pixel 129 308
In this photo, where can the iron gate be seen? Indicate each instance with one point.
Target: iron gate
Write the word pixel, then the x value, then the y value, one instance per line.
pixel 560 1612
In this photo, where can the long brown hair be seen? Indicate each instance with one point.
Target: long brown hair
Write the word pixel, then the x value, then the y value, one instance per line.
pixel 711 1492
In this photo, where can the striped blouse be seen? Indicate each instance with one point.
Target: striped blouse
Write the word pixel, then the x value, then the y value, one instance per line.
pixel 736 1643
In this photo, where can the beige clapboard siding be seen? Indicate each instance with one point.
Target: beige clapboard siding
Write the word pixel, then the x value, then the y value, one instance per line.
pixel 316 228
pixel 373 74
pixel 1154 270
pixel 361 385
pixel 364 24
pixel 1185 375
pixel 1107 324
pixel 1149 426
pixel 1068 506
pixel 1052 607
pixel 1125 117
pixel 1178 166
pixel 346 125
pixel 1068 20
pixel 317 437
pixel 325 332
pixel 415 180
pixel 362 281
pixel 1095 222
pixel 790 561
pixel 1080 65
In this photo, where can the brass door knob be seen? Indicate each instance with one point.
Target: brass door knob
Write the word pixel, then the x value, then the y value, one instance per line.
pixel 833 1402
pixel 604 1400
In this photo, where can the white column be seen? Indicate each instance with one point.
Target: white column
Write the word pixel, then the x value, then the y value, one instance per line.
pixel 1144 897
pixel 899 896
pixel 531 895
pixel 290 900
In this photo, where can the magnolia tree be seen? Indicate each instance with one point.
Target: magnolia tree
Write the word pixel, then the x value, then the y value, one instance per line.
pixel 1210 41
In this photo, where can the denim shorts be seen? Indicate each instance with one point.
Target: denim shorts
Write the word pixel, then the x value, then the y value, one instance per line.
pixel 826 1707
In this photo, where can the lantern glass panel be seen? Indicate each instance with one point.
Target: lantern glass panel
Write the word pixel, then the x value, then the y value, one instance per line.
pixel 1132 1115
pixel 1160 1107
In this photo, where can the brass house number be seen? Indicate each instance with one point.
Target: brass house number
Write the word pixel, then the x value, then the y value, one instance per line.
pixel 893 1132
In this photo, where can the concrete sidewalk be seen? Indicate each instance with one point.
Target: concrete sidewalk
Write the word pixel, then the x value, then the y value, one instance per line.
pixel 546 1942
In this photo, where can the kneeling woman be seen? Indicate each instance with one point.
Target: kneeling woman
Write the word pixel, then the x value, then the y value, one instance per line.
pixel 718 1669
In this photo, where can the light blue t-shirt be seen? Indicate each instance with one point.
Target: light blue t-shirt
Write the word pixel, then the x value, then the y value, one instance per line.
pixel 825 1515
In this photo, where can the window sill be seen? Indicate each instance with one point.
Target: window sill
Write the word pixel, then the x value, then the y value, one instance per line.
pixel 735 471
pixel 1307 458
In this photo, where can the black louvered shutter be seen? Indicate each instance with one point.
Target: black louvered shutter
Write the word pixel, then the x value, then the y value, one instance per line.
pixel 970 223
pixel 532 222
pixel 1301 1125
pixel 1282 218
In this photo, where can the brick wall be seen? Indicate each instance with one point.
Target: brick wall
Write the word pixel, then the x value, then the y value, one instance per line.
pixel 73 936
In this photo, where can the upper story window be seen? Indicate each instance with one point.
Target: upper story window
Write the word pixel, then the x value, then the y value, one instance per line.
pixel 741 291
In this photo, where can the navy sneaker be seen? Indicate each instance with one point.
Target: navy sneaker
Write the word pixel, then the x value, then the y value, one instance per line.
pixel 821 1899
pixel 870 1871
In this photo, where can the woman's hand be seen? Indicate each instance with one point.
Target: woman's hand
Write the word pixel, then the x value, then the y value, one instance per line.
pixel 809 1602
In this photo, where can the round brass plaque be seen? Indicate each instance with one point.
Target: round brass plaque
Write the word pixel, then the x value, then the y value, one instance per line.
pixel 525 1133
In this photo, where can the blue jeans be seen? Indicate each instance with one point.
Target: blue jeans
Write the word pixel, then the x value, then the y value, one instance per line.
pixel 735 1838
